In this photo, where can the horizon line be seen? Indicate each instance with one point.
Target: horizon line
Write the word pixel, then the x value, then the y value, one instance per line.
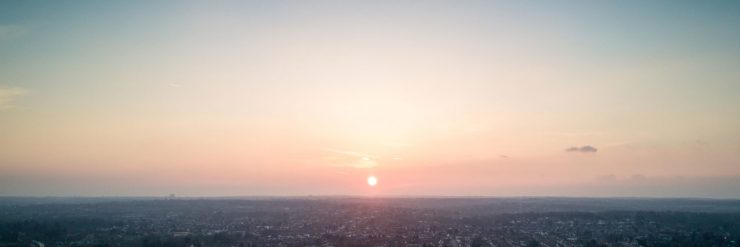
pixel 329 196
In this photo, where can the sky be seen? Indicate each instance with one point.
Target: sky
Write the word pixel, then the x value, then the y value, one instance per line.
pixel 434 98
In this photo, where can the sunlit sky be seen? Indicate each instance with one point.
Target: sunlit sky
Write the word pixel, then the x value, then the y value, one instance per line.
pixel 434 98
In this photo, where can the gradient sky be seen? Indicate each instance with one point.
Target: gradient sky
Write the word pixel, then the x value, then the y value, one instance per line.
pixel 221 98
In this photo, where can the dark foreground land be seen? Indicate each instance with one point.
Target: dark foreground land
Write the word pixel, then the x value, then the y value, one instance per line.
pixel 340 221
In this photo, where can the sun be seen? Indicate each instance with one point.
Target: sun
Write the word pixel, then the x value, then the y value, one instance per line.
pixel 372 180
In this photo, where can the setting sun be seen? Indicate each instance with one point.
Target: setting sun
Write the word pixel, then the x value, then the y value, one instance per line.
pixel 372 180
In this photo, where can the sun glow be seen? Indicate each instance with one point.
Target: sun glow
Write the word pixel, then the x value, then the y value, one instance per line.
pixel 372 180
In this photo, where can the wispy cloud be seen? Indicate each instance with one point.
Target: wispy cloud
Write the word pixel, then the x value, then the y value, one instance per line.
pixel 582 149
pixel 345 158
pixel 8 95
pixel 175 85
pixel 12 31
